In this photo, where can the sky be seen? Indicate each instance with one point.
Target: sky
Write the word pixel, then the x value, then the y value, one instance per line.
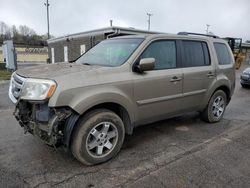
pixel 226 17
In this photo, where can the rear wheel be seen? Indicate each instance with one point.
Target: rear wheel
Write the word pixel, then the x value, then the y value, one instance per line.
pixel 216 107
pixel 98 137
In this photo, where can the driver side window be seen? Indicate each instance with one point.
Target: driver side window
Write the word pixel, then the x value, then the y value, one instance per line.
pixel 164 53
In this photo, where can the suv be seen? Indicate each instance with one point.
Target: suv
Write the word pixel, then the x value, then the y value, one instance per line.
pixel 89 105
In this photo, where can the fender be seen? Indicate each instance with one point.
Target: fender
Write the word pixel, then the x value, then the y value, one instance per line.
pixel 90 99
pixel 82 99
pixel 221 82
pixel 82 103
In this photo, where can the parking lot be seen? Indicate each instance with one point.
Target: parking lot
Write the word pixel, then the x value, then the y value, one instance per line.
pixel 179 152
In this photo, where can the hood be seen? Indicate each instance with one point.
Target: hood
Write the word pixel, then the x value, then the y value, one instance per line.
pixel 247 70
pixel 51 71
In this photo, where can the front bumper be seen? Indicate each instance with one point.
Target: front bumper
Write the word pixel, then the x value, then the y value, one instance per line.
pixel 52 125
pixel 48 124
pixel 245 79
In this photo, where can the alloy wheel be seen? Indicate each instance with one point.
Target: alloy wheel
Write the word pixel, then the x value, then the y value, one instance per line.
pixel 102 139
pixel 218 106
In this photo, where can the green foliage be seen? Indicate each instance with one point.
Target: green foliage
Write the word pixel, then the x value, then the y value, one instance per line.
pixel 2 66
pixel 4 74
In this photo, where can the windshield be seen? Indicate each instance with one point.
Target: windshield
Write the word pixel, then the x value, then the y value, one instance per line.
pixel 111 53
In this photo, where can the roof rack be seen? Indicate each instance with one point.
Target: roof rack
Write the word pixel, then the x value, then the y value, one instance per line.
pixel 199 34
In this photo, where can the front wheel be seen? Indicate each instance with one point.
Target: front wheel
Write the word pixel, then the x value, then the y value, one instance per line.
pixel 215 108
pixel 98 137
pixel 243 85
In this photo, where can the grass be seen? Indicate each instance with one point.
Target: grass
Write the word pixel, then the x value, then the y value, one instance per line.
pixel 2 66
pixel 4 74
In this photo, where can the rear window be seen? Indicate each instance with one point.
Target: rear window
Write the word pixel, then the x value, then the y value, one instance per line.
pixel 222 53
pixel 195 54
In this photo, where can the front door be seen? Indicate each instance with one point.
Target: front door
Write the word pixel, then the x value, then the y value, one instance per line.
pixel 158 92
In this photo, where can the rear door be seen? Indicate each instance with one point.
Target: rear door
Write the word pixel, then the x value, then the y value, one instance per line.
pixel 225 60
pixel 198 72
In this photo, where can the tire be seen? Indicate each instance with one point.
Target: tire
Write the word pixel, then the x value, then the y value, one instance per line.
pixel 215 108
pixel 243 85
pixel 98 137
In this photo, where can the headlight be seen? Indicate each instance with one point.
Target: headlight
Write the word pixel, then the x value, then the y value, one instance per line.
pixel 37 89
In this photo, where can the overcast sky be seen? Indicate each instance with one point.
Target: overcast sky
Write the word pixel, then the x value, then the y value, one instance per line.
pixel 226 17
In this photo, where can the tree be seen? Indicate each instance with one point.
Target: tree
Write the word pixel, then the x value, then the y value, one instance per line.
pixel 14 31
pixel 211 33
pixel 21 35
pixel 26 31
pixel 3 28
pixel 5 33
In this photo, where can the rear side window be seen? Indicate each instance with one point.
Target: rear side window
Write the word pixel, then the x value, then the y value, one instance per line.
pixel 222 53
pixel 164 53
pixel 195 54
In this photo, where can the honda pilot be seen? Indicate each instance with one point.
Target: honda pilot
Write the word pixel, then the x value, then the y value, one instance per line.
pixel 88 106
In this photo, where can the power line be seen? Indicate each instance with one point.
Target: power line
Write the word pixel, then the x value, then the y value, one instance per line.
pixel 47 6
pixel 149 21
pixel 207 30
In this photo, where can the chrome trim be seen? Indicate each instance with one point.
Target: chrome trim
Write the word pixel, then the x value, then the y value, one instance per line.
pixel 15 89
pixel 158 99
pixel 11 96
pixel 166 98
pixel 194 92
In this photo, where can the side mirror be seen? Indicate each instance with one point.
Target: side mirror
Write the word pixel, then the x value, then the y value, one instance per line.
pixel 145 64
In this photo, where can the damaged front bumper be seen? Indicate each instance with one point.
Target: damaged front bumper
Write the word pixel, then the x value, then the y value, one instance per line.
pixel 52 125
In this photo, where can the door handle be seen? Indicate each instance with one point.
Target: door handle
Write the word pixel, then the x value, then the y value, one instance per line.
pixel 210 74
pixel 175 79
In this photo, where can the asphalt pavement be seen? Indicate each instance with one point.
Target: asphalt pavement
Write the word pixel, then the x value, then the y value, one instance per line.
pixel 179 152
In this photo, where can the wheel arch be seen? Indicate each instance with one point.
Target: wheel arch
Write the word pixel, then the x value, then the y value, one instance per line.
pixel 226 90
pixel 117 108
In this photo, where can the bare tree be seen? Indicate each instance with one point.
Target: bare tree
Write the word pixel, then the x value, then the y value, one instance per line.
pixel 26 31
pixel 21 35
pixel 14 31
pixel 3 28
pixel 4 31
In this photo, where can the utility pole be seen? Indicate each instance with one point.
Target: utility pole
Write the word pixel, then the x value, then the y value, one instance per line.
pixel 111 23
pixel 207 30
pixel 47 6
pixel 149 16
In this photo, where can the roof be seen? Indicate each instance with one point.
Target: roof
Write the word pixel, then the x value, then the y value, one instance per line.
pixel 116 31
pixel 247 45
pixel 106 30
pixel 173 36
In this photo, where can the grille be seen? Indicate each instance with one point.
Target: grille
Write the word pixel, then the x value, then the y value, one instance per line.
pixel 245 77
pixel 16 87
